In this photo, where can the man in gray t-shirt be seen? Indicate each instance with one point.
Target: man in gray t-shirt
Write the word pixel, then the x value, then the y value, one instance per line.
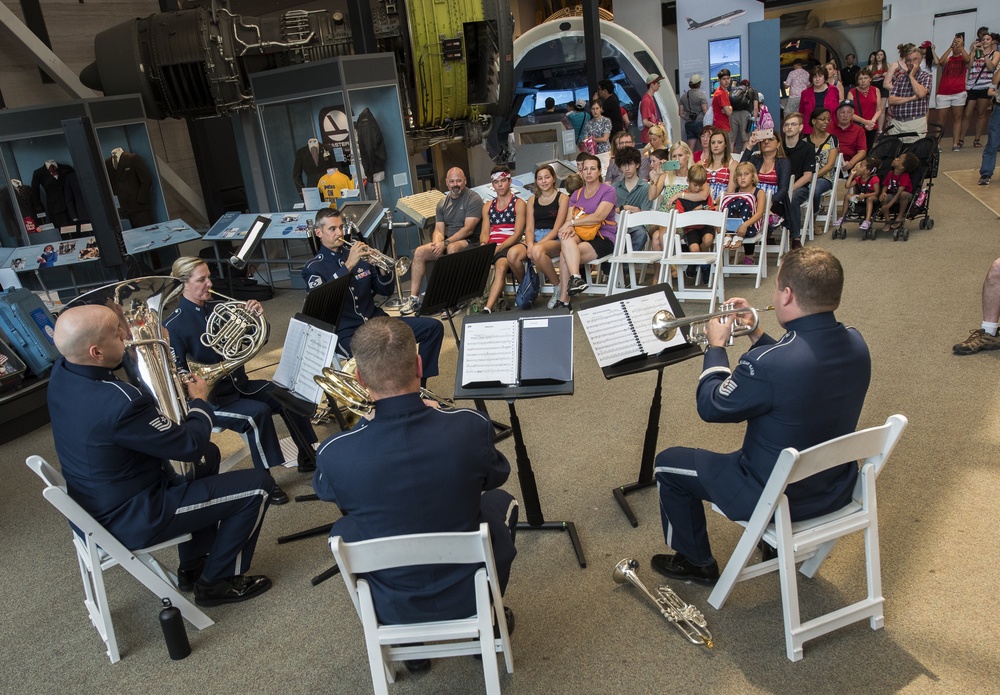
pixel 459 215
pixel 693 107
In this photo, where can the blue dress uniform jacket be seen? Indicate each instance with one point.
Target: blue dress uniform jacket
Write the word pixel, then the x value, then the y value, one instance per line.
pixel 415 469
pixel 242 405
pixel 804 389
pixel 113 447
pixel 112 441
pixel 359 306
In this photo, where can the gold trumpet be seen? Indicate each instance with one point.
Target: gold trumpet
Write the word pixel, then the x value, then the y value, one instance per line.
pixel 384 262
pixel 343 387
pixel 684 616
pixel 665 324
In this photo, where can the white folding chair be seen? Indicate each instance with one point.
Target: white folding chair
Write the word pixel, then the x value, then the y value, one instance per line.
pixel 811 541
pixel 587 269
pixel 811 214
pixel 629 258
pixel 831 207
pixel 472 635
pixel 97 550
pixel 729 258
pixel 675 257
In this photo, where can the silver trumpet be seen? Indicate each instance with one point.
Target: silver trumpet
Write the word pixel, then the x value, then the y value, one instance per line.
pixel 387 264
pixel 686 617
pixel 665 324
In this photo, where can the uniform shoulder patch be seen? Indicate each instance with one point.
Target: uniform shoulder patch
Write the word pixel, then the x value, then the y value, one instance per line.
pixel 315 281
pixel 160 423
pixel 727 387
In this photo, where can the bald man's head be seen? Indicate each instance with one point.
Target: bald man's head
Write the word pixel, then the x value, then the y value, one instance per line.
pixel 89 335
pixel 455 181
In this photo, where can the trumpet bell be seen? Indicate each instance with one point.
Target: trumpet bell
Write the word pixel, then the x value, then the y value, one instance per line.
pixel 664 325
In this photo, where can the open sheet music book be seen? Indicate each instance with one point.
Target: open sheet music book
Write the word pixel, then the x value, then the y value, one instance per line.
pixel 309 347
pixel 623 329
pixel 520 351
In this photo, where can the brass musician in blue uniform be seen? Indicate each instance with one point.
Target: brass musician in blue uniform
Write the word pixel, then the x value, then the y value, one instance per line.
pixel 242 405
pixel 414 468
pixel 804 389
pixel 114 446
pixel 334 260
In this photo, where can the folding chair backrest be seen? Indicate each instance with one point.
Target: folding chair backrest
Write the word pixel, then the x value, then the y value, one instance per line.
pixel 44 470
pixel 407 551
pixel 871 445
pixel 711 218
pixel 644 217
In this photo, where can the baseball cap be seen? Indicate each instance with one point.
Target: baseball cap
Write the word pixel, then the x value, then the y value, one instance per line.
pixel 581 103
pixel 652 77
pixel 695 79
pixel 846 102
pixel 925 44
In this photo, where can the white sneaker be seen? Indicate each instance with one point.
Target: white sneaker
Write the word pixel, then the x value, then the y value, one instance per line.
pixel 410 306
pixel 553 301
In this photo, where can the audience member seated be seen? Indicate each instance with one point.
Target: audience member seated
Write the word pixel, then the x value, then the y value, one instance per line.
pixel 850 137
pixel 720 165
pixel 546 213
pixel 457 221
pixel 773 171
pixel 657 141
pixel 622 139
pixel 633 193
pixel 696 196
pixel 746 208
pixel 503 225
pixel 897 189
pixel 863 189
pixel 801 154
pixel 827 150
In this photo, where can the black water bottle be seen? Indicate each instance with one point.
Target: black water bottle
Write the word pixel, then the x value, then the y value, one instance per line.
pixel 173 631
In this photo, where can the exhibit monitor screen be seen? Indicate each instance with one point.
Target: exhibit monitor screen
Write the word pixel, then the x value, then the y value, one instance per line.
pixel 724 53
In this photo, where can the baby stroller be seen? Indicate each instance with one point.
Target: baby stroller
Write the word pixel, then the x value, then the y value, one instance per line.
pixel 926 151
pixel 885 149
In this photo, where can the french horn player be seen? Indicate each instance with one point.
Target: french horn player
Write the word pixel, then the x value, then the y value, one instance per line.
pixel 241 404
pixel 802 389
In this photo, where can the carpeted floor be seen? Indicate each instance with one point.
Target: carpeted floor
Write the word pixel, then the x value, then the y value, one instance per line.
pixel 577 631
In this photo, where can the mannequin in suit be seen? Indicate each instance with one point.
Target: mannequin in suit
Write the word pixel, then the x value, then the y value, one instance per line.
pixel 132 182
pixel 50 181
pixel 312 160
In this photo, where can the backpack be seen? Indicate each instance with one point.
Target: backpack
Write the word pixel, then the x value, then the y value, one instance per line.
pixel 528 290
pixel 742 98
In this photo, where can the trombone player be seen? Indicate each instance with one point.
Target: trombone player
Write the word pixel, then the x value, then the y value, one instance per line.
pixel 803 389
pixel 241 405
pixel 334 260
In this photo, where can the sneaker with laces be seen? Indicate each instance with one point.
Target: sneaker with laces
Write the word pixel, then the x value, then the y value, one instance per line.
pixel 553 302
pixel 410 306
pixel 561 305
pixel 984 180
pixel 865 226
pixel 978 340
pixel 839 222
pixel 577 285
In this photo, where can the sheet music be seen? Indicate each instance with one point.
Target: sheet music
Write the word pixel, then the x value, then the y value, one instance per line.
pixel 641 310
pixel 490 352
pixel 610 335
pixel 306 352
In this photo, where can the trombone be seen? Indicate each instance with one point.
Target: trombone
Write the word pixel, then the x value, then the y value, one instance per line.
pixel 384 262
pixel 665 324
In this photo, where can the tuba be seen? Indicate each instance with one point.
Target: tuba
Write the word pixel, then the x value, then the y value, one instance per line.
pixel 347 393
pixel 684 616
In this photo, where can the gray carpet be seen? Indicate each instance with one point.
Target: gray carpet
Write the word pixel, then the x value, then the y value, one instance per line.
pixel 577 631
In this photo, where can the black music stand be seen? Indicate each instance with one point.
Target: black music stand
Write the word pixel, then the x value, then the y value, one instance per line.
pixel 459 277
pixel 526 477
pixel 671 355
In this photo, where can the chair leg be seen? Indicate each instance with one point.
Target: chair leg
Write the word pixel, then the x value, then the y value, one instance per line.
pixel 873 568
pixel 789 585
pixel 167 589
pixel 96 599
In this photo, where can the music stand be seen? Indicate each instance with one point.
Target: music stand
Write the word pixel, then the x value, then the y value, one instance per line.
pixel 459 277
pixel 671 355
pixel 525 475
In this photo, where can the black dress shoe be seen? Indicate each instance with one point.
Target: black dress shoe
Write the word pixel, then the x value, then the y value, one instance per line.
pixel 307 463
pixel 278 496
pixel 233 590
pixel 187 577
pixel 679 567
pixel 417 665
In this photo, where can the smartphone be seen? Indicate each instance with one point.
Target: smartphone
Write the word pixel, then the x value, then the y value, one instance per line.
pixel 671 165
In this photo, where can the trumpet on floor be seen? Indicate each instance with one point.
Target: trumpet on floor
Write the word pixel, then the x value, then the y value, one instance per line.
pixel 665 324
pixel 343 387
pixel 384 262
pixel 686 617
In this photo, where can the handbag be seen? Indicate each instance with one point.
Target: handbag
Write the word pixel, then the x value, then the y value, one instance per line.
pixel 589 145
pixel 587 232
pixel 528 290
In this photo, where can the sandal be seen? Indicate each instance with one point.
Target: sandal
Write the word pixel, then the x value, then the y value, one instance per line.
pixel 977 143
pixel 727 242
pixel 736 244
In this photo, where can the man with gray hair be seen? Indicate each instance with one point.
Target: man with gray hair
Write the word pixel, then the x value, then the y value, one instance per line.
pixel 909 99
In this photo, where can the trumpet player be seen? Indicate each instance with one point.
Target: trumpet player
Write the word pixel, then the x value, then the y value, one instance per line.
pixel 800 390
pixel 241 405
pixel 334 261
